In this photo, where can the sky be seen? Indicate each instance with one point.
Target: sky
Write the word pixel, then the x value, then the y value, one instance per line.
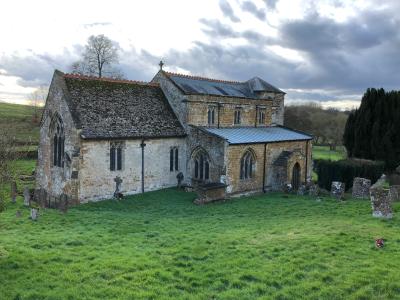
pixel 315 50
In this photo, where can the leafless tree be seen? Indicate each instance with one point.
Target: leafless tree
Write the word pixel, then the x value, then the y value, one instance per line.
pixel 99 58
pixel 37 99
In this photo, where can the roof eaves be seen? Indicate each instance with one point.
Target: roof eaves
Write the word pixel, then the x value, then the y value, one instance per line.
pixel 295 130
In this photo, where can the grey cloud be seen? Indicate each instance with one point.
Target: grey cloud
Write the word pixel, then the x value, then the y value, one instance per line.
pixel 252 8
pixel 271 3
pixel 95 24
pixel 215 28
pixel 226 8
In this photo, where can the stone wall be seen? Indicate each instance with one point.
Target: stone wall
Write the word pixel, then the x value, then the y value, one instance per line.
pixel 213 146
pixel 278 109
pixel 175 97
pixel 274 179
pixel 56 180
pixel 97 181
pixel 273 150
pixel 198 107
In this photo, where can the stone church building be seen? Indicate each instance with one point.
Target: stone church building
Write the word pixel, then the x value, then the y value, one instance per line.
pixel 220 135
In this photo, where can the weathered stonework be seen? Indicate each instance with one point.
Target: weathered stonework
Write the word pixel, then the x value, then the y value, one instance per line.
pixel 395 193
pixel 381 202
pixel 337 190
pixel 361 187
pixel 91 123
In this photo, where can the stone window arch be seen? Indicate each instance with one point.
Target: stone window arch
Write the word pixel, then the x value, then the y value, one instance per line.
pixel 211 115
pixel 201 165
pixel 247 165
pixel 57 140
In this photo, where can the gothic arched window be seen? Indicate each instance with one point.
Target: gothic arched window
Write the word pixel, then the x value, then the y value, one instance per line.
pixel 211 115
pixel 58 139
pixel 247 165
pixel 201 166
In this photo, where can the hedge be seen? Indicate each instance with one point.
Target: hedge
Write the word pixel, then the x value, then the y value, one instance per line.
pixel 346 170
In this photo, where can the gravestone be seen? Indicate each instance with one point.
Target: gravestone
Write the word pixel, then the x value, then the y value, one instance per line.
pixel 27 196
pixel 18 214
pixel 301 190
pixel 337 190
pixel 13 191
pixel 179 177
pixel 381 202
pixel 394 192
pixel 118 182
pixel 313 190
pixel 361 187
pixel 287 188
pixel 34 214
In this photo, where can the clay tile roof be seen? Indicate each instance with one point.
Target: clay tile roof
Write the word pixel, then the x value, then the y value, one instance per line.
pixel 105 108
pixel 196 85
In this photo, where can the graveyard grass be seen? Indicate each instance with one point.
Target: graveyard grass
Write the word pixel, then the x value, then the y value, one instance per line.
pixel 323 152
pixel 160 245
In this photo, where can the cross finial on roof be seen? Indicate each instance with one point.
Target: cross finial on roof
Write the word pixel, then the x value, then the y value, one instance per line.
pixel 161 64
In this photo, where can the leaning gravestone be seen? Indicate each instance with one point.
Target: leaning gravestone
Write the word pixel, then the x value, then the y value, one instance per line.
pixel 13 191
pixel 381 201
pixel 337 190
pixel 361 187
pixel 27 196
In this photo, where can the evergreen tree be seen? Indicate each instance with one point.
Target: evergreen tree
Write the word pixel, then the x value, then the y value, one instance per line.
pixel 372 131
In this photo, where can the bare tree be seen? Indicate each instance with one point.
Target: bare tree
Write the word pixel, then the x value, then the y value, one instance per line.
pixel 99 58
pixel 37 99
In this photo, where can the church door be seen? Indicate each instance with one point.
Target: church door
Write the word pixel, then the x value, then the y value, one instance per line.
pixel 296 176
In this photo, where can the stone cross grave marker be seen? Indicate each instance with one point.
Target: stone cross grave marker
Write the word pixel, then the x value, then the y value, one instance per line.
pixel 118 182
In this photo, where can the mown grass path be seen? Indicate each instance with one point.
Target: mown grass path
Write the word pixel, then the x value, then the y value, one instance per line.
pixel 161 246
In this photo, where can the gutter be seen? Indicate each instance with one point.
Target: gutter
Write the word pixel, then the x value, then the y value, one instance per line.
pixel 142 145
pixel 265 158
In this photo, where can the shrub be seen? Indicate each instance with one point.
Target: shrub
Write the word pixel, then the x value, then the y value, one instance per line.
pixel 346 170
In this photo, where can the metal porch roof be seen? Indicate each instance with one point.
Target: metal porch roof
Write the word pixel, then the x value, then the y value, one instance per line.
pixel 253 135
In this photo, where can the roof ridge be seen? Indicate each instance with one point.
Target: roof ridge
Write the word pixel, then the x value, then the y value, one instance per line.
pixel 107 79
pixel 201 78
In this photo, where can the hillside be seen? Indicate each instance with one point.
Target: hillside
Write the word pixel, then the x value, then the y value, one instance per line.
pixel 18 121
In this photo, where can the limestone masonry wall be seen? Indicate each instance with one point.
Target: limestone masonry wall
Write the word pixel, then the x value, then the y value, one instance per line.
pixel 57 180
pixel 97 181
pixel 273 150
pixel 199 104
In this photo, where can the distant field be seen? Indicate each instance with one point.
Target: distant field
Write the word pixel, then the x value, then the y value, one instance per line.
pixel 18 121
pixel 323 152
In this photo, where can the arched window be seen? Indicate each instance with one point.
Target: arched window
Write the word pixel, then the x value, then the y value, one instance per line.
pixel 173 159
pixel 58 138
pixel 247 164
pixel 201 166
pixel 211 115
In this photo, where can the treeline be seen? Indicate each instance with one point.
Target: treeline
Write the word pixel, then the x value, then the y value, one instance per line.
pixel 373 131
pixel 326 125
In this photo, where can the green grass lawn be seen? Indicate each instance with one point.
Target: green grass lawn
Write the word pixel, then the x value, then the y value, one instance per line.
pixel 323 152
pixel 17 120
pixel 161 246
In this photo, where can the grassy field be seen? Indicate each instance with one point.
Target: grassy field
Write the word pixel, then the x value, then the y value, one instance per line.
pixel 323 152
pixel 17 120
pixel 160 245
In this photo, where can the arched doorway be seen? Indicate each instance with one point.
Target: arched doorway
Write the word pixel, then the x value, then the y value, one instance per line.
pixel 296 176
